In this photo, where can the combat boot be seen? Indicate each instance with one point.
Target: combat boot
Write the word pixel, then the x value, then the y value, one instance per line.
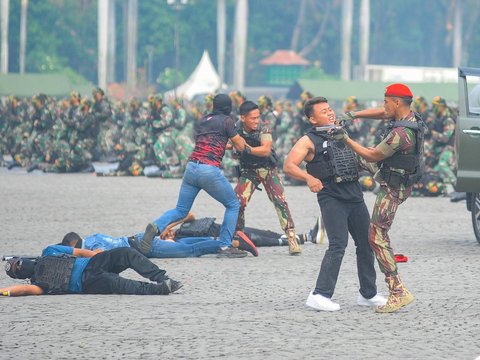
pixel 293 247
pixel 399 295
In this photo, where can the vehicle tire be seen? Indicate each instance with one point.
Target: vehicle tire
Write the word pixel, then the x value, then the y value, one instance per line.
pixel 476 215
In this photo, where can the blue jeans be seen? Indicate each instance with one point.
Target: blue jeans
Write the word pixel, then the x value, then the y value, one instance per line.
pixel 186 247
pixel 209 178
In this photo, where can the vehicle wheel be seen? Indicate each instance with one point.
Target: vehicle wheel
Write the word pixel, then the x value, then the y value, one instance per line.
pixel 476 215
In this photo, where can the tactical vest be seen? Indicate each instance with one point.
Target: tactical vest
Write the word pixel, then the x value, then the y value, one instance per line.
pixel 197 228
pixel 411 166
pixel 53 273
pixel 249 161
pixel 332 159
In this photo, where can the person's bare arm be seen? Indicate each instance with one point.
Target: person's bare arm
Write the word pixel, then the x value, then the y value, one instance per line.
pixel 21 290
pixel 301 151
pixel 265 148
pixel 369 154
pixel 373 113
pixel 85 252
pixel 238 142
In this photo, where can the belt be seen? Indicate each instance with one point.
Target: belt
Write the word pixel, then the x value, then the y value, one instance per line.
pixel 198 162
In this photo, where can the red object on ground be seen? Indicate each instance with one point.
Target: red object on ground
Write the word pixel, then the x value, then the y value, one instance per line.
pixel 400 258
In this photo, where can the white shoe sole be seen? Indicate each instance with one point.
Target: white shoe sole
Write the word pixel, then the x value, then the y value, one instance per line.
pixel 313 304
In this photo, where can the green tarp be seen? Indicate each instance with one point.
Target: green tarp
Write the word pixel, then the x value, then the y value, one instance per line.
pixel 27 85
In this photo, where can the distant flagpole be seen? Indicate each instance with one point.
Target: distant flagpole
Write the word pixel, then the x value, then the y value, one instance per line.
pixel 4 15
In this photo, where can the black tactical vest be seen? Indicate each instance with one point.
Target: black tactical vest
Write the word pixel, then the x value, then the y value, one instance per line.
pixel 332 159
pixel 53 273
pixel 198 228
pixel 412 164
pixel 249 161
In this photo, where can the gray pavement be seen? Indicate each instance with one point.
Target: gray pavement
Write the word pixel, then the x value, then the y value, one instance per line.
pixel 235 308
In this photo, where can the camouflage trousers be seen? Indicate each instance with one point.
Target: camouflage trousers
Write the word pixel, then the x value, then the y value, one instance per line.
pixel 383 213
pixel 446 165
pixel 274 188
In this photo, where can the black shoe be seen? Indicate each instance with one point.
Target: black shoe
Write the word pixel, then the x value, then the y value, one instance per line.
pixel 244 243
pixel 231 253
pixel 457 196
pixel 170 285
pixel 175 285
pixel 146 244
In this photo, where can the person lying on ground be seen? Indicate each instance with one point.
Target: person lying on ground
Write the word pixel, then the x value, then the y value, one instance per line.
pixel 67 270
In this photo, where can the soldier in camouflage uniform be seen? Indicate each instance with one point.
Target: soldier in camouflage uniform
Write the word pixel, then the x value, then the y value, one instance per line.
pixel 182 134
pixel 19 126
pixel 267 115
pixel 258 166
pixel 399 164
pixel 40 140
pixel 442 138
pixel 103 125
pixel 162 121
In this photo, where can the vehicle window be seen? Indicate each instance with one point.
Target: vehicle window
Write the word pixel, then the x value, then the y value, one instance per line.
pixel 473 85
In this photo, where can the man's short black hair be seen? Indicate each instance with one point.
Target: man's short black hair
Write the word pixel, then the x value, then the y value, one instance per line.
pixel 72 239
pixel 246 107
pixel 308 107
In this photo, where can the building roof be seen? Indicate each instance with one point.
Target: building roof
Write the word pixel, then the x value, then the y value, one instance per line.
pixel 284 57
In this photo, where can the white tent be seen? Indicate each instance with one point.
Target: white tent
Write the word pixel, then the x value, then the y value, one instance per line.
pixel 203 80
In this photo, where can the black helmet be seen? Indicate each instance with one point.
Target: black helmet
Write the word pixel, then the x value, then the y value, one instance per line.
pixel 19 268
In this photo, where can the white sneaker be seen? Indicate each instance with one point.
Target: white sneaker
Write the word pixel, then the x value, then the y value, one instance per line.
pixel 319 302
pixel 377 300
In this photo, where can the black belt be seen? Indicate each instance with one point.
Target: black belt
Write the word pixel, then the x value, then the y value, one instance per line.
pixel 198 162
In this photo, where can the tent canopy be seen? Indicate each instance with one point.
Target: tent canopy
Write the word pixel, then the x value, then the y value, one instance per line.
pixel 203 80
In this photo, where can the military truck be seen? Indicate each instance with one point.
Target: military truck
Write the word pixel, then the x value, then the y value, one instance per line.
pixel 467 141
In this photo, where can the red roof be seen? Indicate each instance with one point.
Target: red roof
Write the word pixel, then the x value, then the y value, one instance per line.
pixel 284 57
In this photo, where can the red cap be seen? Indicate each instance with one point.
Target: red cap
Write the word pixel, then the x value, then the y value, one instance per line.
pixel 398 90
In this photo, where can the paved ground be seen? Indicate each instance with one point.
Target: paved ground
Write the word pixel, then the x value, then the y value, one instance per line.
pixel 235 309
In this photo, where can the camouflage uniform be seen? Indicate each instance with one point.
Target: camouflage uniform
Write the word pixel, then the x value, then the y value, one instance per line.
pixel 162 121
pixel 388 198
pixel 257 170
pixel 182 134
pixel 103 127
pixel 442 137
pixel 40 141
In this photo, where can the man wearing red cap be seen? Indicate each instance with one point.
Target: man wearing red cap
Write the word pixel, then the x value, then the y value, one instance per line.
pixel 397 163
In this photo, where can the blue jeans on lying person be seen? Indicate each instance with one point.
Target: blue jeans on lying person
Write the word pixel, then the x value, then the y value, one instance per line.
pixel 185 247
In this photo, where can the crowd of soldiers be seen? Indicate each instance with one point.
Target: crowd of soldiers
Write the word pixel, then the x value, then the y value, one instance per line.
pixel 154 138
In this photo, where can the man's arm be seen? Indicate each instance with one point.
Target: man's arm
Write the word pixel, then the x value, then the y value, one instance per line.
pixel 85 252
pixel 238 142
pixel 374 113
pixel 369 154
pixel 265 148
pixel 21 290
pixel 300 151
